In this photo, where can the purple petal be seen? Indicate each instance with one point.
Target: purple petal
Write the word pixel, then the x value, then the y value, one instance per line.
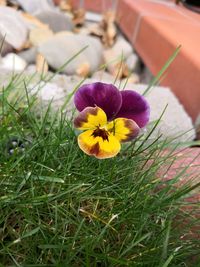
pixel 105 96
pixel 134 107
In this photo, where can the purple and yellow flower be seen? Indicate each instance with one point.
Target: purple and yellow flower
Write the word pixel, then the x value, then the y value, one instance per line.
pixel 102 138
pixel 108 117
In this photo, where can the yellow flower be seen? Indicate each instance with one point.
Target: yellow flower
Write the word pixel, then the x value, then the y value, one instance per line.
pixel 102 139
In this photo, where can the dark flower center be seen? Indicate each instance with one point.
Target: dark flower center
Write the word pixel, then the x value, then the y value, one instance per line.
pixel 101 133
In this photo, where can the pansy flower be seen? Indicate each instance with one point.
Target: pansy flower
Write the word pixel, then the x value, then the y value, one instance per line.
pixel 109 117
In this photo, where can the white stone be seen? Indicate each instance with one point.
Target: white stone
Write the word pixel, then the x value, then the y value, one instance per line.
pixel 38 36
pixel 59 49
pixel 12 62
pixel 5 47
pixel 116 54
pixel 120 50
pixel 34 6
pixel 31 69
pixel 29 55
pixel 103 76
pixel 91 16
pixel 133 62
pixel 48 93
pixel 13 27
pixel 122 47
pixel 57 21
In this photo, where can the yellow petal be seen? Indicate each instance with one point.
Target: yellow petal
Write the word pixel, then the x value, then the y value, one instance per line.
pixel 123 129
pixel 97 146
pixel 90 118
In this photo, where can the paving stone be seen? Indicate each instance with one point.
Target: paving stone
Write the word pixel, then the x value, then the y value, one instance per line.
pixel 176 123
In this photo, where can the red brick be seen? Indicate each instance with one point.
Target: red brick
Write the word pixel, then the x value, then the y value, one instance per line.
pixel 94 5
pixel 186 160
pixel 156 29
pixel 56 2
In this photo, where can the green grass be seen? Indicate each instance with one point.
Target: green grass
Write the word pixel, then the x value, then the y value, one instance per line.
pixel 60 207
